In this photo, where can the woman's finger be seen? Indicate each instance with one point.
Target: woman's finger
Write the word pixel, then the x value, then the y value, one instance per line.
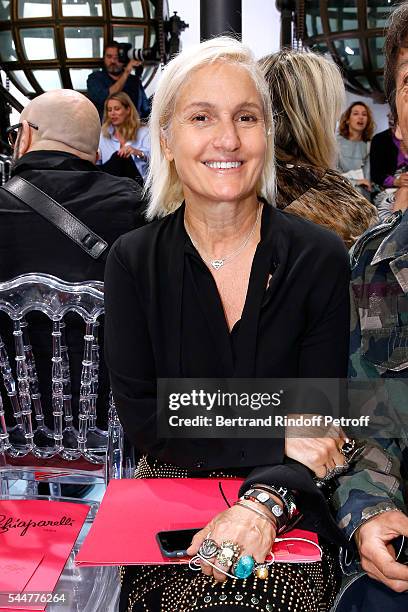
pixel 206 568
pixel 197 541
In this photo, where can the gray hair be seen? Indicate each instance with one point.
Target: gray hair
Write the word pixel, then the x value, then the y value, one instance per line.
pixel 163 184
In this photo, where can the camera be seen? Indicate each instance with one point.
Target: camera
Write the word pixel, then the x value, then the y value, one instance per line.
pixel 126 52
pixel 166 46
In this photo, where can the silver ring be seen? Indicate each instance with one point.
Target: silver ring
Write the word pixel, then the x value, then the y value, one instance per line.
pixel 228 553
pixel 208 549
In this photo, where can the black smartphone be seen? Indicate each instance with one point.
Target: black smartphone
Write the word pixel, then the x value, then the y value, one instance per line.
pixel 175 543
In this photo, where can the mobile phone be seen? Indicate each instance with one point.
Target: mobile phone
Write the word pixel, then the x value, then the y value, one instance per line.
pixel 175 543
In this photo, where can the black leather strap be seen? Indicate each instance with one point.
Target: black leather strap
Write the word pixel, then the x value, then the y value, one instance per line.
pixel 56 214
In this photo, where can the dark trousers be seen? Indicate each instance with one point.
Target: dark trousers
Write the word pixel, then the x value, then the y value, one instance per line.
pixel 122 166
pixel 368 595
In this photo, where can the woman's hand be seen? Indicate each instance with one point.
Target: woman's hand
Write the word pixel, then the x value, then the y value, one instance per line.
pixel 401 180
pixel 319 451
pixel 253 534
pixel 126 150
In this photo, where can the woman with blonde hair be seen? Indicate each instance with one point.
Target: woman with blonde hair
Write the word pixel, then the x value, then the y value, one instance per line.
pixel 355 133
pixel 212 288
pixel 124 145
pixel 308 94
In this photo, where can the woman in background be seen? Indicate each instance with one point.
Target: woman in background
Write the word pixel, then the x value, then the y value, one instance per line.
pixel 124 146
pixel 355 133
pixel 308 93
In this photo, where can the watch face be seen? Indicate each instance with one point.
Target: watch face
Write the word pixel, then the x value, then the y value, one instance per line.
pixel 262 497
pixel 277 510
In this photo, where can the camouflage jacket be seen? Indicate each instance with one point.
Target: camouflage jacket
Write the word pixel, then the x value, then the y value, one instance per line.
pixel 379 349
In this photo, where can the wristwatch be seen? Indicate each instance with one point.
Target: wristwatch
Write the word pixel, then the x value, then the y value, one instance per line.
pixel 267 500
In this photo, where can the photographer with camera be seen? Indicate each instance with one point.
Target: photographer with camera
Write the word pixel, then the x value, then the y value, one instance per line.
pixel 116 76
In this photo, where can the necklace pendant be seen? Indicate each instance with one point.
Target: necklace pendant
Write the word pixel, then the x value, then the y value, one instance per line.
pixel 217 263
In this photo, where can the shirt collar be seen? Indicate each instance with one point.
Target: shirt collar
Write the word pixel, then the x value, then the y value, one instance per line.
pixel 396 243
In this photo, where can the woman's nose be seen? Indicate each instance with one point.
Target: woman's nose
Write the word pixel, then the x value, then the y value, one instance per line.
pixel 227 136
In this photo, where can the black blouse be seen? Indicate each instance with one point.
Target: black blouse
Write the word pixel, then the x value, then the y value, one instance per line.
pixel 164 318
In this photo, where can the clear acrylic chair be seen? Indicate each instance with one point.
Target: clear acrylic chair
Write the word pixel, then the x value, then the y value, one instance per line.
pixel 32 452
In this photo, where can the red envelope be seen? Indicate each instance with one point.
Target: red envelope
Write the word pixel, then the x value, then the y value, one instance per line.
pixel 133 511
pixel 36 539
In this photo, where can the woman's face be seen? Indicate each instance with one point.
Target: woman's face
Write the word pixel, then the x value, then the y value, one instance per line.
pixel 217 134
pixel 358 118
pixel 117 113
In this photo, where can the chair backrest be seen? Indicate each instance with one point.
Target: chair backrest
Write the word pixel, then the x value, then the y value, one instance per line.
pixel 29 443
pixel 5 168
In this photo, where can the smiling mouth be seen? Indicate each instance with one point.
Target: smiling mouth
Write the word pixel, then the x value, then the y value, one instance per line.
pixel 223 165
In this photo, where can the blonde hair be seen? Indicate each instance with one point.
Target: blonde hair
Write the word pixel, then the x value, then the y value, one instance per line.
pixel 308 94
pixel 344 129
pixel 163 184
pixel 129 127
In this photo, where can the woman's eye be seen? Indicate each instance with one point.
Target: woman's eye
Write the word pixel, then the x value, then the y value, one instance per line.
pixel 405 80
pixel 247 118
pixel 200 118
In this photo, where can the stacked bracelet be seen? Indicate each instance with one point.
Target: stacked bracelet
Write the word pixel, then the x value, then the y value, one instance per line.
pixel 259 512
pixel 283 494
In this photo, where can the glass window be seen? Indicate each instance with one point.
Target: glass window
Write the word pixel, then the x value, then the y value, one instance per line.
pixel 41 8
pixel 378 13
pixel 7 49
pixel 134 36
pixel 319 47
pixel 38 43
pixel 48 79
pixel 127 8
pixel 376 46
pixel 342 15
pixel 152 10
pixel 5 10
pixel 22 80
pixel 349 53
pixel 380 81
pixel 363 81
pixel 84 8
pixel 79 77
pixel 313 25
pixel 152 37
pixel 83 42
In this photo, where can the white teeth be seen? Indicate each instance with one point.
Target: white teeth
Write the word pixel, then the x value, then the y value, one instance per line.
pixel 223 165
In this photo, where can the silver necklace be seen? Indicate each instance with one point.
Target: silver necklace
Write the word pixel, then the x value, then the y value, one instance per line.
pixel 219 263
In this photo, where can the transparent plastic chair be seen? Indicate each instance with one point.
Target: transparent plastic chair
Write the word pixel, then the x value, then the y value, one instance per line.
pixel 32 452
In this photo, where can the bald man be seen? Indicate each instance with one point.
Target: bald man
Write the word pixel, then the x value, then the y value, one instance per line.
pixel 55 149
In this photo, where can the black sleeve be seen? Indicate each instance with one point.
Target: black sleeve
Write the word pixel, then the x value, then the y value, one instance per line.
pixel 383 159
pixel 130 358
pixel 325 343
pixel 98 91
pixel 324 352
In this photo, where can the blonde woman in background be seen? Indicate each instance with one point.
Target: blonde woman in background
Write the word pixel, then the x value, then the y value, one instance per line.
pixel 308 94
pixel 124 145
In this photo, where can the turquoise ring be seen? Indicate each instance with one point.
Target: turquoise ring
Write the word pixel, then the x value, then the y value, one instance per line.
pixel 243 567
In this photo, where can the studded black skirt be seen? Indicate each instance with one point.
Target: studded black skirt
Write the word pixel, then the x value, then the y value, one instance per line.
pixel 300 587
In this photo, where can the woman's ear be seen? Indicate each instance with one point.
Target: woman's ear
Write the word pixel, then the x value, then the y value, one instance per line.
pixel 165 145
